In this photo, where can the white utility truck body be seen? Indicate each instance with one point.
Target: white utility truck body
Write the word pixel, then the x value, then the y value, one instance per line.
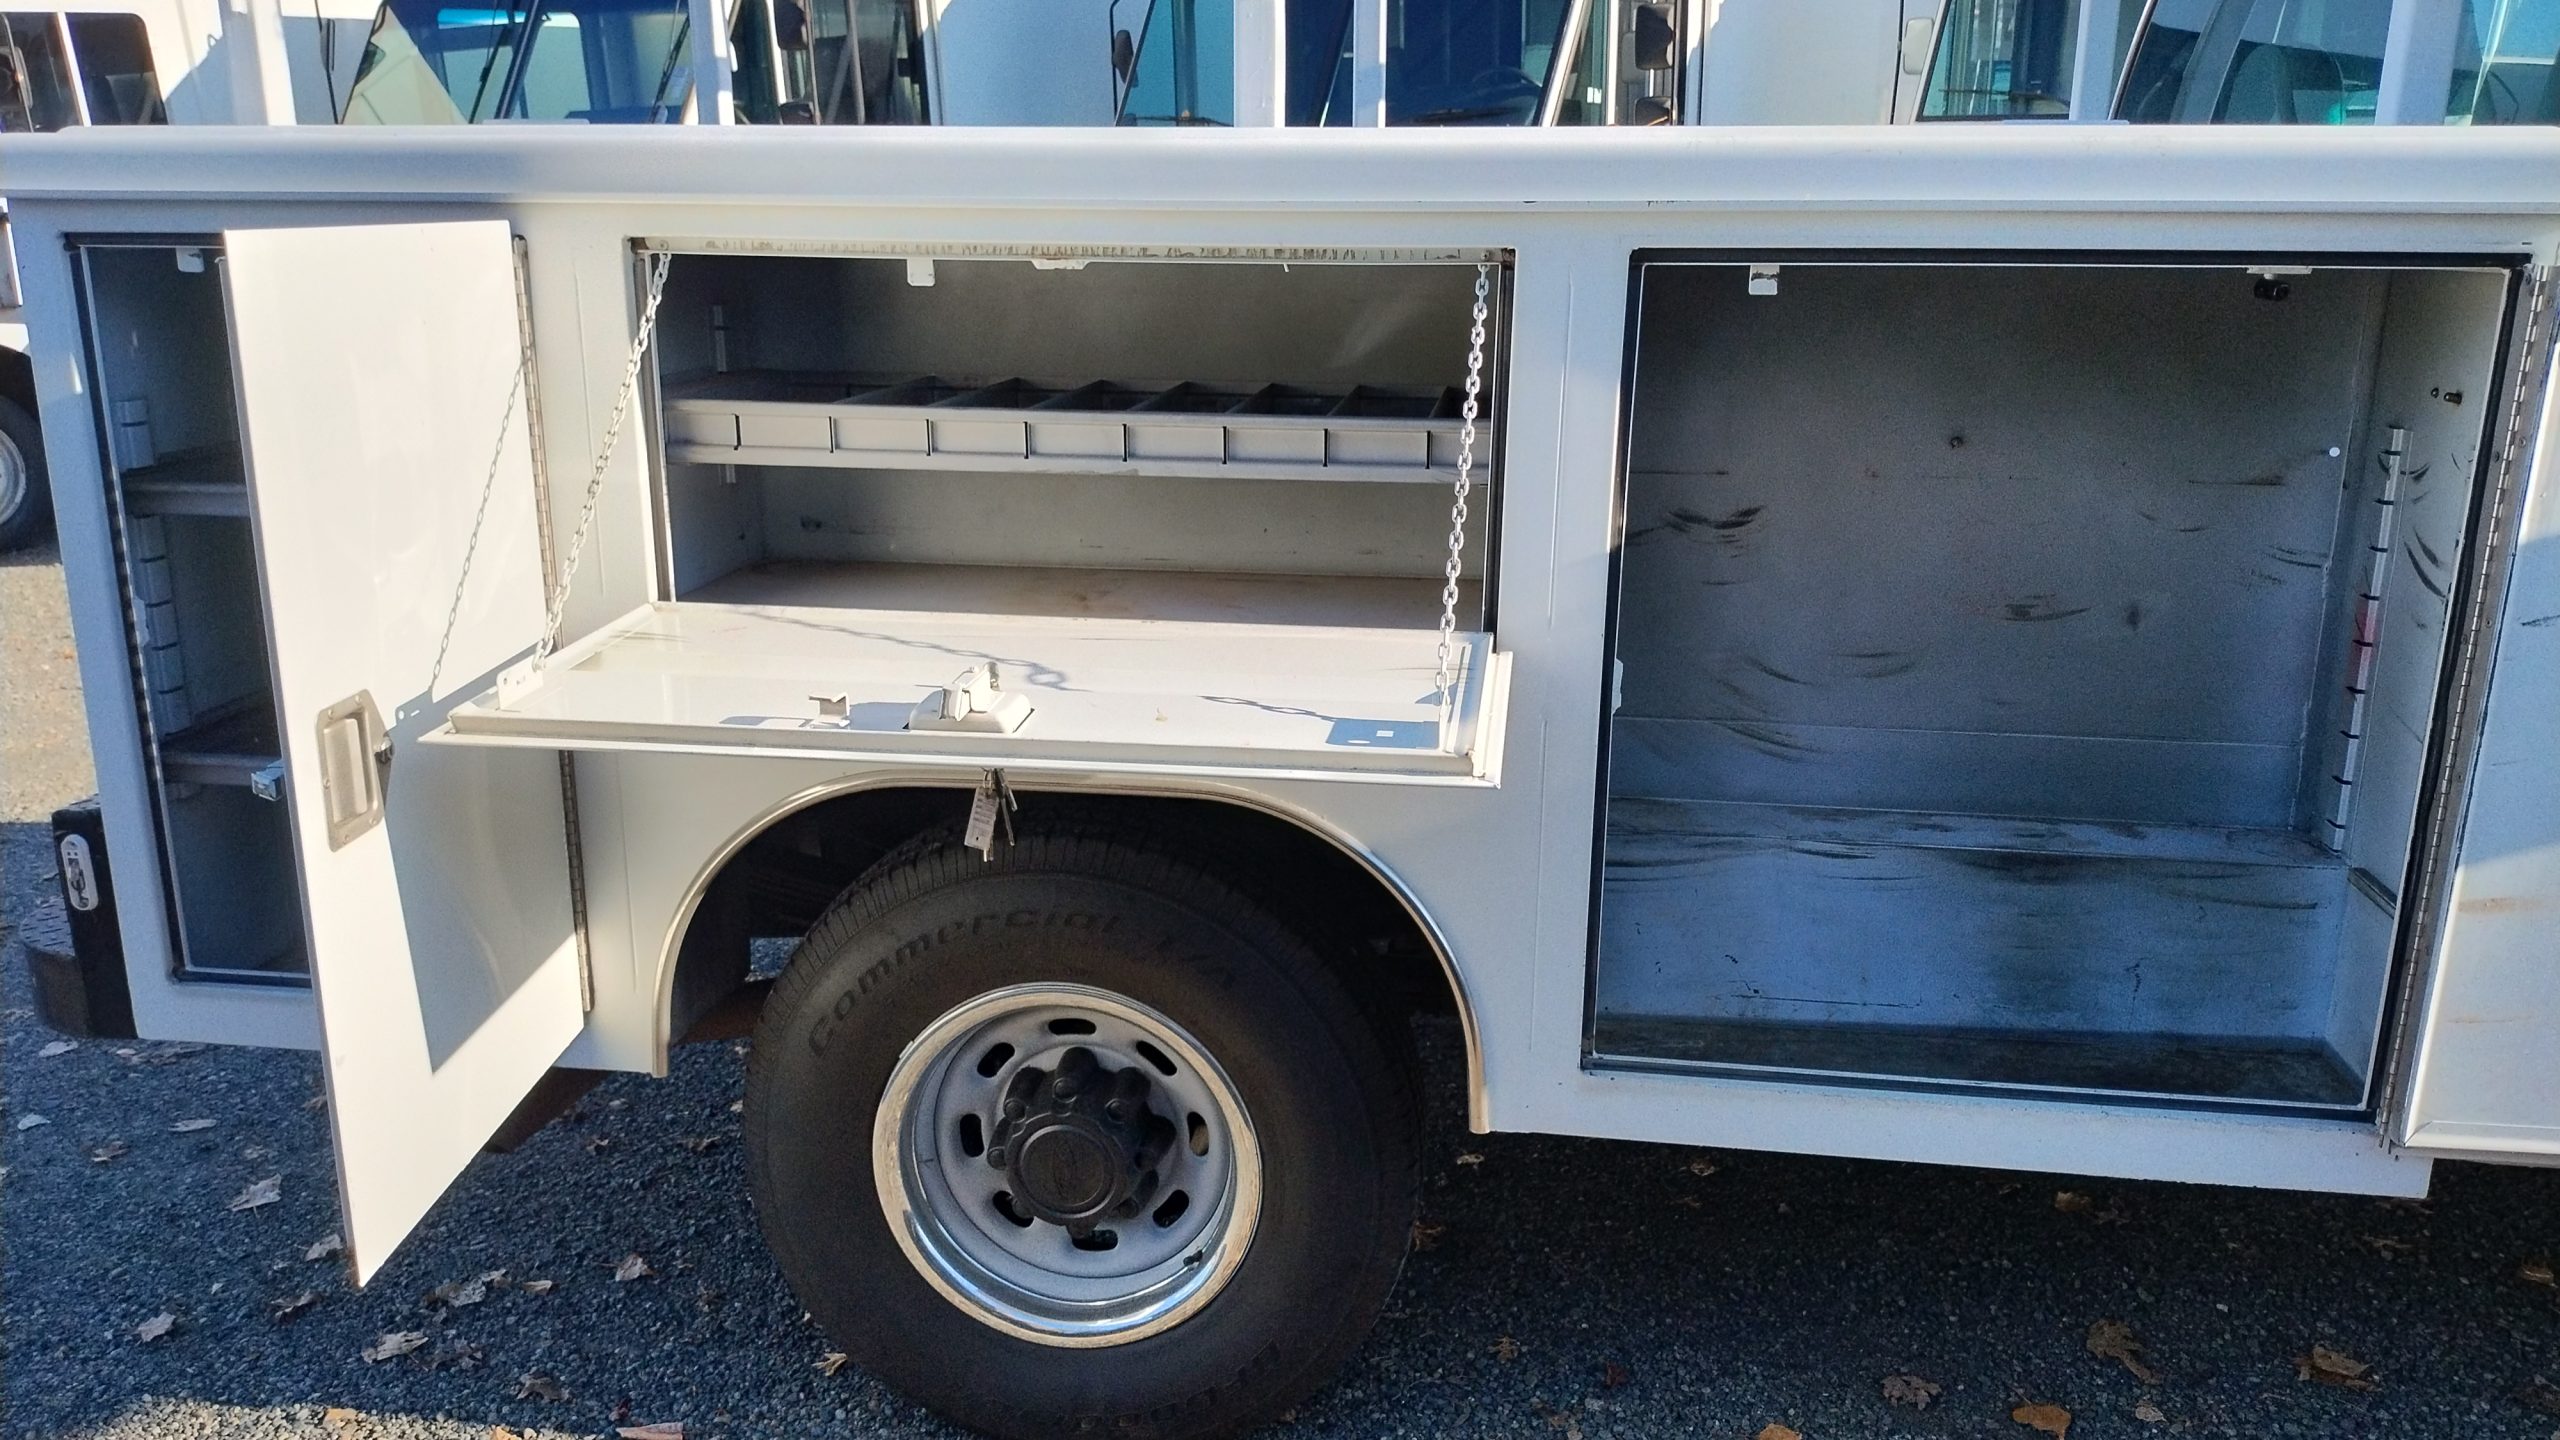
pixel 2025 647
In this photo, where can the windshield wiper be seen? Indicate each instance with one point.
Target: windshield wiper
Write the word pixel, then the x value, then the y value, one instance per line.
pixel 1455 114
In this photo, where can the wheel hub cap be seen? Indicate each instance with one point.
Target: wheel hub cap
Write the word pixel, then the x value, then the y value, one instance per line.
pixel 1067 1165
pixel 1079 1142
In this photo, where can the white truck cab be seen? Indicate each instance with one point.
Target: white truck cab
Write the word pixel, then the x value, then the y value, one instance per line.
pixel 2000 645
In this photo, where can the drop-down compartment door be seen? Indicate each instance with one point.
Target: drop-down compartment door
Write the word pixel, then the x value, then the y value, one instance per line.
pixel 1150 697
pixel 387 451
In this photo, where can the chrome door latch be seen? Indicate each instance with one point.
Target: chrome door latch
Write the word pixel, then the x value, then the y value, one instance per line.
pixel 973 701
pixel 355 767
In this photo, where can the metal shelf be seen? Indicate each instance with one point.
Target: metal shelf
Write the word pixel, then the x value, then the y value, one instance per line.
pixel 225 749
pixel 195 482
pixel 1366 433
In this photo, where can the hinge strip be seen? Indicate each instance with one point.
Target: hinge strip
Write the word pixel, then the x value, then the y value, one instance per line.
pixel 2531 371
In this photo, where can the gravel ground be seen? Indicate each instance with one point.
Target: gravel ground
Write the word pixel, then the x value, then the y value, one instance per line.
pixel 1562 1288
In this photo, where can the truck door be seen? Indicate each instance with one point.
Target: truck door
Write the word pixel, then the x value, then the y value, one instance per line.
pixel 2482 1076
pixel 383 421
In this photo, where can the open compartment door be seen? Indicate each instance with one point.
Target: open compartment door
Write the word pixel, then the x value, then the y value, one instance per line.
pixel 2482 1076
pixel 378 391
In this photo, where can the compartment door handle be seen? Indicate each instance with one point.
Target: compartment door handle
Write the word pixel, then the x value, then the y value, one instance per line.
pixel 355 766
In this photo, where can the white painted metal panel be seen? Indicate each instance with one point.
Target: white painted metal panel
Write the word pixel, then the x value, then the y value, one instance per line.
pixel 2485 1076
pixel 1107 695
pixel 376 373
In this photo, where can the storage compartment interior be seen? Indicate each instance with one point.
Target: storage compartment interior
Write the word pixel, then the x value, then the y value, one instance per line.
pixel 1156 439
pixel 2028 671
pixel 204 697
pixel 1199 509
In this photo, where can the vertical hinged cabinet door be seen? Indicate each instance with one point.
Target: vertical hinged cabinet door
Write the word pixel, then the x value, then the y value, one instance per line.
pixel 2483 1067
pixel 392 484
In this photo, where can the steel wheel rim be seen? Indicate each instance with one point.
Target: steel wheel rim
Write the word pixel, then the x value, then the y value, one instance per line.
pixel 953 1211
pixel 13 478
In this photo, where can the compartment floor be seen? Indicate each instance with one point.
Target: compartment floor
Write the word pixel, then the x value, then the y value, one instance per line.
pixel 2154 959
pixel 2266 1071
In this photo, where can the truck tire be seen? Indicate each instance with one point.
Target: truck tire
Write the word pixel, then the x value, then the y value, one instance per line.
pixel 26 499
pixel 1078 1140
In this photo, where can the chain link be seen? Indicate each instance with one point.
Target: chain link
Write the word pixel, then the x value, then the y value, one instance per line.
pixel 604 458
pixel 1443 674
pixel 479 517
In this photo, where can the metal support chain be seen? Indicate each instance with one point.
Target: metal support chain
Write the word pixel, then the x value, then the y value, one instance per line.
pixel 1443 676
pixel 604 459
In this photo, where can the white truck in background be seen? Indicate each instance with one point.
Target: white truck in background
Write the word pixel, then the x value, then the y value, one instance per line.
pixel 148 62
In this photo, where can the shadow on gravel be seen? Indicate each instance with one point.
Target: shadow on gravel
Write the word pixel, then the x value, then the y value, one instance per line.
pixel 1562 1288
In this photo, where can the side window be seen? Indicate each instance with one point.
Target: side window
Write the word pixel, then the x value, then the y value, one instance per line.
pixel 114 55
pixel 2257 62
pixel 35 75
pixel 862 62
pixel 2002 60
pixel 2507 64
pixel 1184 63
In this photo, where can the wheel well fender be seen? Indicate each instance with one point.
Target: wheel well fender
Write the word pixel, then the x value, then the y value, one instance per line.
pixel 778 873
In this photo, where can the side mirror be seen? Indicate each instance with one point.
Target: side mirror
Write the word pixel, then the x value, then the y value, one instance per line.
pixel 1124 55
pixel 790 26
pixel 1657 39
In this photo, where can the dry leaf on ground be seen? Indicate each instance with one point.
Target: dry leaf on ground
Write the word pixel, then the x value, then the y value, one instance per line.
pixel 501 1432
pixel 1426 1234
pixel 1505 1348
pixel 662 1430
pixel 2071 1202
pixel 1910 1390
pixel 260 1192
pixel 2053 1420
pixel 393 1344
pixel 324 1247
pixel 339 1417
pixel 29 1122
pixel 1702 1168
pixel 455 1294
pixel 292 1305
pixel 2114 1340
pixel 699 1143
pixel 2536 1272
pixel 1469 1157
pixel 57 1047
pixel 632 1268
pixel 535 1385
pixel 112 1150
pixel 2331 1367
pixel 155 1327
pixel 830 1363
pixel 189 1127
pixel 2149 1414
pixel 536 1287
pixel 1779 1432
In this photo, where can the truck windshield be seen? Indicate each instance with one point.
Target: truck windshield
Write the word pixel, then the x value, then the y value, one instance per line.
pixel 2257 62
pixel 1449 62
pixel 430 62
pixel 2507 65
